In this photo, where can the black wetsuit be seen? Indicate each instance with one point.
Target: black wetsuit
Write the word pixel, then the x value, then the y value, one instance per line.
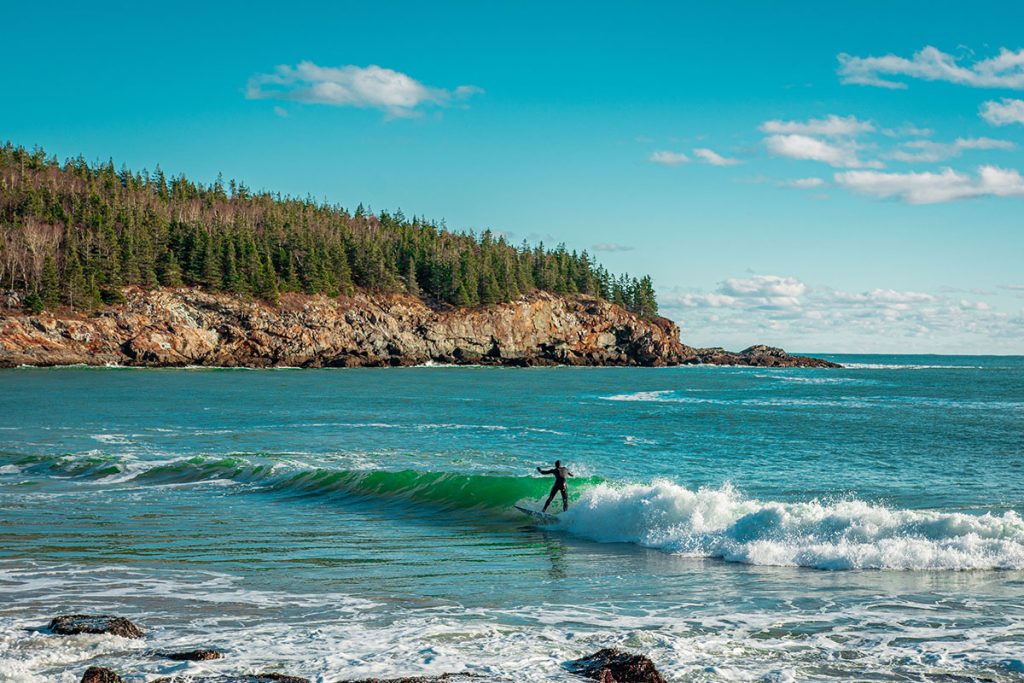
pixel 559 486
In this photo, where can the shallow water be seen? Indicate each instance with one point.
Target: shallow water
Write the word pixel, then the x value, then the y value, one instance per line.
pixel 733 523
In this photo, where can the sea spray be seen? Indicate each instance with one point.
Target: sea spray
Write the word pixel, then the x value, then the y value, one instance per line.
pixel 848 534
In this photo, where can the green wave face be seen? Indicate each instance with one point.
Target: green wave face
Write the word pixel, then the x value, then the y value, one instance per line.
pixel 441 488
pixel 449 490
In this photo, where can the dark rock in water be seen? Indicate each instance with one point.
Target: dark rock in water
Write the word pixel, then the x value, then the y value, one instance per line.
pixel 97 674
pixel 615 666
pixel 73 624
pixel 239 678
pixel 192 655
pixel 771 356
pixel 759 356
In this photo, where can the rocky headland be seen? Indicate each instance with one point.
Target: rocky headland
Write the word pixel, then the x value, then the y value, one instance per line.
pixel 191 327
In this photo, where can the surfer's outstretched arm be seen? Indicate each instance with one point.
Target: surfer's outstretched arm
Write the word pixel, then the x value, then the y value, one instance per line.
pixel 545 471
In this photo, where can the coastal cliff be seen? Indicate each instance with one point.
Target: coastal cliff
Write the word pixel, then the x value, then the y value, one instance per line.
pixel 180 327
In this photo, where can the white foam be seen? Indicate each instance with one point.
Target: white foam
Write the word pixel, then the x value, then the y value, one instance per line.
pixel 111 438
pixel 907 366
pixel 645 396
pixel 720 523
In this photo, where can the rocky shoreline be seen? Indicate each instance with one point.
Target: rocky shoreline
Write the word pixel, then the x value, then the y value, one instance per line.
pixel 609 665
pixel 190 327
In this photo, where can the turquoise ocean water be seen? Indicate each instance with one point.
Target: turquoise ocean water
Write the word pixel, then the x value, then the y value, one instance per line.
pixel 732 523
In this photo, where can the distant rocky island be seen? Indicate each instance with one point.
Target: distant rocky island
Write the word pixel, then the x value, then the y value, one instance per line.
pixel 176 327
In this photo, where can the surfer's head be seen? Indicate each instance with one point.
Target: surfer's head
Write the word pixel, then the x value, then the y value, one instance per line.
pixel 558 463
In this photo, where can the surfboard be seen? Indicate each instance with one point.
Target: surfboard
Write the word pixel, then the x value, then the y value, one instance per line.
pixel 536 514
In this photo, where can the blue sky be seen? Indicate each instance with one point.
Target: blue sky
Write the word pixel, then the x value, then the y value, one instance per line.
pixel 821 176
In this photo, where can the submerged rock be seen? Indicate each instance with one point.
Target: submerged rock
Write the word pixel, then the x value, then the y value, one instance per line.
pixel 98 674
pixel 234 678
pixel 443 678
pixel 192 655
pixel 73 624
pixel 611 665
pixel 177 327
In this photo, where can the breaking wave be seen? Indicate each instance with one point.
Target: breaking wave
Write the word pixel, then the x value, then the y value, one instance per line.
pixel 715 523
pixel 852 534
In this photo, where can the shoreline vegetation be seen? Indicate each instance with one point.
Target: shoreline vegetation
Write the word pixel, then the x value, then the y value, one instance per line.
pixel 74 235
pixel 100 266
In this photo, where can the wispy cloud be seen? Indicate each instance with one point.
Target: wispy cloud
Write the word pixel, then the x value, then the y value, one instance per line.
pixel 667 158
pixel 907 130
pixel 830 126
pixel 930 151
pixel 1004 112
pixel 1005 70
pixel 371 86
pixel 934 188
pixel 841 154
pixel 714 158
pixel 803 183
pixel 611 246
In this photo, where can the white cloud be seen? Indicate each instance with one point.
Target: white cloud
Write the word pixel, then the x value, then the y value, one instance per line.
pixel 830 126
pixel 668 158
pixel 612 246
pixel 757 291
pixel 1005 70
pixel 804 183
pixel 714 158
pixel 907 130
pixel 839 154
pixel 763 286
pixel 352 86
pixel 933 188
pixel 281 111
pixel 805 318
pixel 929 151
pixel 1004 112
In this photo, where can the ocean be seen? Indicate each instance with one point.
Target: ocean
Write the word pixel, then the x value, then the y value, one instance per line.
pixel 734 524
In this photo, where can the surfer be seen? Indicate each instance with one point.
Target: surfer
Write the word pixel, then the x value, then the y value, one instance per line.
pixel 559 486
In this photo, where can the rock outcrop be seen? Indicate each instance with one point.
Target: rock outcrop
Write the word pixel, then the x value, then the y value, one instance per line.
pixel 615 666
pixel 98 674
pixel 167 328
pixel 73 624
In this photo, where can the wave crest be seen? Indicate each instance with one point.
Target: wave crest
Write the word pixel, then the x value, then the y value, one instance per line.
pixel 719 523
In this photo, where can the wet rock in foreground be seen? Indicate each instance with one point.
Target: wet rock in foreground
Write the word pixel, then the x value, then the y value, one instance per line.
pixel 192 655
pixel 73 624
pixel 611 665
pixel 98 674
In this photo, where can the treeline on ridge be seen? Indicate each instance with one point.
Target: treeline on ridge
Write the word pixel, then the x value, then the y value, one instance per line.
pixel 74 234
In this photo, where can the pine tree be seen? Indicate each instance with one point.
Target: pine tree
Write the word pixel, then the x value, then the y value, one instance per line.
pixel 50 290
pixel 168 269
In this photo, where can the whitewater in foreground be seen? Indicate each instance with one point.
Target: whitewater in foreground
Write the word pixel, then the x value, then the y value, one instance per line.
pixel 731 523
